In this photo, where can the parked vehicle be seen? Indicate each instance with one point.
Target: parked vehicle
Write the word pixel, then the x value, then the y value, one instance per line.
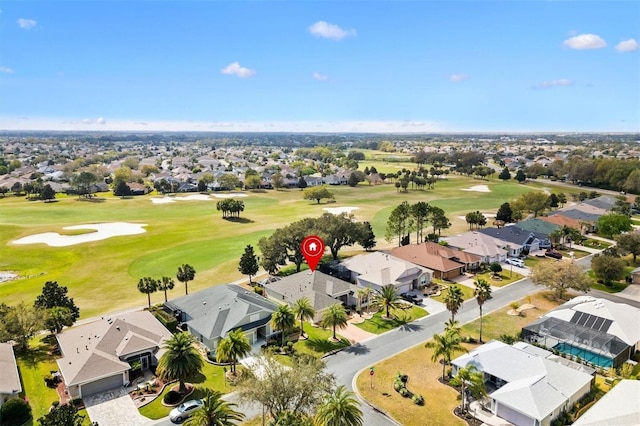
pixel 515 262
pixel 554 254
pixel 185 410
pixel 269 280
pixel 416 300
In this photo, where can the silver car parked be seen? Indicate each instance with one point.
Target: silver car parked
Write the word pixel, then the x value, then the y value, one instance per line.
pixel 185 410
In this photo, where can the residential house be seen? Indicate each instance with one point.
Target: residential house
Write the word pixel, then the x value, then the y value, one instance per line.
pixel 597 331
pixel 377 270
pixel 561 221
pixel 620 407
pixel 514 239
pixel 211 313
pixel 10 385
pixel 586 220
pixel 635 276
pixel 603 202
pixel 322 290
pixel 540 228
pixel 446 262
pixel 526 386
pixel 478 244
pixel 98 356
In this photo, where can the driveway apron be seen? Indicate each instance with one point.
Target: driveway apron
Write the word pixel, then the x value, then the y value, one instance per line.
pixel 114 408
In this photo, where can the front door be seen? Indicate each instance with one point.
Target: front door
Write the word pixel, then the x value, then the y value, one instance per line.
pixel 145 362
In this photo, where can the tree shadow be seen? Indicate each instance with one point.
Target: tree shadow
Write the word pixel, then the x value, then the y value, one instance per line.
pixel 91 200
pixel 238 219
pixel 410 327
pixel 197 378
pixel 357 349
pixel 35 355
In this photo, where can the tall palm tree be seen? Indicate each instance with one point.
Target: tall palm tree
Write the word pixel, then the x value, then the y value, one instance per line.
pixel 215 412
pixel 469 378
pixel 185 274
pixel 339 408
pixel 232 347
pixel 164 284
pixel 482 292
pixel 445 346
pixel 147 285
pixel 283 319
pixel 387 298
pixel 453 300
pixel 181 359
pixel 304 311
pixel 336 317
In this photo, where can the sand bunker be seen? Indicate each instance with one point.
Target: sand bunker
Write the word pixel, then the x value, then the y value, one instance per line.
pixel 478 188
pixel 229 195
pixel 7 276
pixel 103 231
pixel 487 215
pixel 193 197
pixel 339 210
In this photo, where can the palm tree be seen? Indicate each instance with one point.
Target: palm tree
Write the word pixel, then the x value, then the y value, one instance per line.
pixel 469 378
pixel 304 311
pixel 336 317
pixel 215 412
pixel 445 346
pixel 234 346
pixel 387 298
pixel 453 300
pixel 185 274
pixel 164 284
pixel 482 293
pixel 147 285
pixel 363 294
pixel 283 319
pixel 181 359
pixel 339 408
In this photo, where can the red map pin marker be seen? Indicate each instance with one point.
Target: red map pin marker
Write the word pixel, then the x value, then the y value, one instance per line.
pixel 312 250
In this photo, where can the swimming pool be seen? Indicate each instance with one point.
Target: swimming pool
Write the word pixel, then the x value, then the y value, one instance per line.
pixel 599 360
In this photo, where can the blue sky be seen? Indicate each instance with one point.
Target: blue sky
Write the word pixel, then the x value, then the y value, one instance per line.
pixel 378 66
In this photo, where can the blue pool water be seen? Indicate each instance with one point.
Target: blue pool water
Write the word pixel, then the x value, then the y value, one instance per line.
pixel 584 354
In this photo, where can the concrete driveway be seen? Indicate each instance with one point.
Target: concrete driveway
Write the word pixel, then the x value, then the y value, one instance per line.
pixel 114 408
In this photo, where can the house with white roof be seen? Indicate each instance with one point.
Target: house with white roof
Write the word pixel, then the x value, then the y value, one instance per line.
pixel 377 270
pixel 598 331
pixel 620 406
pixel 488 248
pixel 10 386
pixel 527 386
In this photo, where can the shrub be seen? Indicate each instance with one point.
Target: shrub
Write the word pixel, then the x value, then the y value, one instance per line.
pixel 418 399
pixel 15 412
pixel 172 397
pixel 166 319
pixel 405 392
pixel 402 377
pixel 397 385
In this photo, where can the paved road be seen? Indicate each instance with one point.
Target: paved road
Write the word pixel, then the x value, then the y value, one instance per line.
pixel 346 364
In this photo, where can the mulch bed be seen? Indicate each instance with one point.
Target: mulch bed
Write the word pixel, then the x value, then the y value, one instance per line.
pixel 467 417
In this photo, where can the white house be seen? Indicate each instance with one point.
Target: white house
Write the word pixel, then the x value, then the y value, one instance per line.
pixel 620 407
pixel 527 386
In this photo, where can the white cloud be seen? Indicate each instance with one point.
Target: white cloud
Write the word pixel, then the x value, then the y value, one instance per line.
pixel 458 77
pixel 99 120
pixel 6 70
pixel 554 83
pixel 26 24
pixel 332 31
pixel 627 45
pixel 318 76
pixel 585 41
pixel 236 69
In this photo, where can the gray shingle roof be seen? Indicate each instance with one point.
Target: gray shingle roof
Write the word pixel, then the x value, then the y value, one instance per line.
pixel 215 311
pixel 9 378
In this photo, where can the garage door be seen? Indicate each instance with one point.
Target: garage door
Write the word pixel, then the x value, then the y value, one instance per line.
pixel 101 385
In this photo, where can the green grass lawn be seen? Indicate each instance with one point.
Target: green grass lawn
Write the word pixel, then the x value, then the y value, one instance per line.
pixel 467 292
pixel 596 244
pixel 33 366
pixel 101 276
pixel 505 277
pixel 378 325
pixel 212 377
pixel 317 343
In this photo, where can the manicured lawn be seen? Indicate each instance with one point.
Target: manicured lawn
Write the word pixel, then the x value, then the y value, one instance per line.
pixel 595 244
pixel 317 343
pixel 378 324
pixel 101 276
pixel 506 277
pixel 212 377
pixel 467 292
pixel 33 366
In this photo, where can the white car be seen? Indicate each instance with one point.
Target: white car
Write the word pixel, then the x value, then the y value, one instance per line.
pixel 515 262
pixel 185 410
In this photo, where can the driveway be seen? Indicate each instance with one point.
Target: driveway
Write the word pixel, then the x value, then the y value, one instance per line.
pixel 114 408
